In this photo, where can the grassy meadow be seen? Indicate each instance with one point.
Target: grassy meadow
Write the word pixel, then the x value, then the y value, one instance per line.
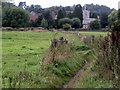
pixel 23 53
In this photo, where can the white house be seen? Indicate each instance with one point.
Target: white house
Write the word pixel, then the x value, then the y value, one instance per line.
pixel 86 18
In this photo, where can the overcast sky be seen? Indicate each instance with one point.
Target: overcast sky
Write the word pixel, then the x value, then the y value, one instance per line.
pixel 48 3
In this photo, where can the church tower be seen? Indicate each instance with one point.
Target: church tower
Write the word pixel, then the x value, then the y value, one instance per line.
pixel 86 18
pixel 86 13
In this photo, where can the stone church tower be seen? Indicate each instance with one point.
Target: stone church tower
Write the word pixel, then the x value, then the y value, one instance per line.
pixel 86 18
pixel 86 13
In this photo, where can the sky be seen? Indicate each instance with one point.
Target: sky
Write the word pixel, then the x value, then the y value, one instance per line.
pixel 49 3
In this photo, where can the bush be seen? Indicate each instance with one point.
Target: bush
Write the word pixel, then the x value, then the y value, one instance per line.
pixel 64 21
pixel 76 23
pixel 94 25
pixel 66 26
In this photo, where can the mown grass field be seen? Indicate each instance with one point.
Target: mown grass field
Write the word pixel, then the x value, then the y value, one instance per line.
pixel 24 52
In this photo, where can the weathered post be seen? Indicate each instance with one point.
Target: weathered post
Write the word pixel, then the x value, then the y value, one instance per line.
pixel 92 39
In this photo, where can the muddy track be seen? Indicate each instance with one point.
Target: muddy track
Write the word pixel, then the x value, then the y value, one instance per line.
pixel 77 75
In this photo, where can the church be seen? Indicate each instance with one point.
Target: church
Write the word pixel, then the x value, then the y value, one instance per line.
pixel 86 18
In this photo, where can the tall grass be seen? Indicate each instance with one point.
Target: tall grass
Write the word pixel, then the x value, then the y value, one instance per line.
pixel 109 56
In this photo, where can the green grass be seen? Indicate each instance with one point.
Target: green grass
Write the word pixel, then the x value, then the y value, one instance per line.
pixel 90 79
pixel 93 33
pixel 23 53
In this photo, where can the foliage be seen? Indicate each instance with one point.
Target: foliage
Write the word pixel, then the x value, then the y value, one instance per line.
pixel 78 12
pixel 104 20
pixel 47 15
pixel 95 25
pixel 35 8
pixel 66 26
pixel 108 55
pixel 82 48
pixel 98 9
pixel 44 23
pixel 76 23
pixel 61 14
pixel 112 18
pixel 15 17
pixel 22 4
pixel 64 21
pixel 38 21
pixel 93 15
pixel 119 14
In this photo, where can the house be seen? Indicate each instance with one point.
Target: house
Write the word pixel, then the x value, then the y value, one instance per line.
pixel 86 18
pixel 33 16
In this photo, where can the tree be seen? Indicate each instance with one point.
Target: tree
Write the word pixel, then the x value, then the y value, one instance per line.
pixel 39 20
pixel 22 4
pixel 44 23
pixel 61 14
pixel 78 12
pixel 64 21
pixel 76 23
pixel 112 18
pixel 15 17
pixel 93 15
pixel 116 25
pixel 47 15
pixel 70 15
pixel 95 25
pixel 118 15
pixel 98 9
pixel 66 26
pixel 104 20
pixel 35 8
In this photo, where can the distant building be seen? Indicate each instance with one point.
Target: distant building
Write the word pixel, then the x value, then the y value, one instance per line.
pixel 86 18
pixel 33 16
pixel 119 5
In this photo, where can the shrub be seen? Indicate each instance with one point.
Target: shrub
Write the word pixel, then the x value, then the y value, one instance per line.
pixel 94 25
pixel 66 26
pixel 76 23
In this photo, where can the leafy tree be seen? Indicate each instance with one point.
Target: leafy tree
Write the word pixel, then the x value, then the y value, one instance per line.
pixel 38 21
pixel 78 12
pixel 22 4
pixel 95 25
pixel 104 20
pixel 93 15
pixel 112 18
pixel 98 9
pixel 47 15
pixel 119 14
pixel 76 23
pixel 116 25
pixel 64 21
pixel 66 26
pixel 61 14
pixel 44 23
pixel 15 17
pixel 35 8
pixel 70 15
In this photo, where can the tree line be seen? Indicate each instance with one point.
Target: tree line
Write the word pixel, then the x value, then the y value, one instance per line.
pixel 66 17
